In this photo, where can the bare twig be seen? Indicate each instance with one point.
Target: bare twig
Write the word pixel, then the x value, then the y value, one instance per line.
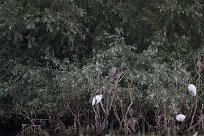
pixel 27 118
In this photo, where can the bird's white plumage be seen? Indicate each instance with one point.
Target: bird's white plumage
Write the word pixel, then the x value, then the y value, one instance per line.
pixel 96 99
pixel 192 89
pixel 180 117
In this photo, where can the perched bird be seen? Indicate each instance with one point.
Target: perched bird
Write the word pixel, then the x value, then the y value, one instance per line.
pixel 113 73
pixel 192 89
pixel 182 122
pixel 96 99
pixel 180 117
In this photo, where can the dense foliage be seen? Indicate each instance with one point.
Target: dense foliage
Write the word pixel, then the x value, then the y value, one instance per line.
pixel 55 56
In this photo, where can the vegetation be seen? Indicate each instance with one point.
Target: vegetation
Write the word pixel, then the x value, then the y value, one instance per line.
pixel 55 56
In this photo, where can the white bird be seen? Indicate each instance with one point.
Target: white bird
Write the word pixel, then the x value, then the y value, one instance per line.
pixel 192 89
pixel 96 99
pixel 180 117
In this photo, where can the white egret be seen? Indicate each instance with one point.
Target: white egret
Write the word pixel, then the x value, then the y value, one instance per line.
pixel 96 99
pixel 192 89
pixel 180 117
